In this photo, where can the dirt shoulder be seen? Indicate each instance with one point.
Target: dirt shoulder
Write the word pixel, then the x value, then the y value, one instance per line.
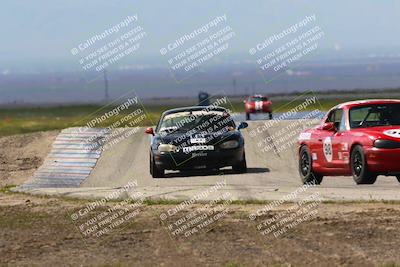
pixel 21 155
pixel 40 231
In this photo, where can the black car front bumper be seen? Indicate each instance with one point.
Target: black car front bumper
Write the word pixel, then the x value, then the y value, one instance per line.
pixel 198 160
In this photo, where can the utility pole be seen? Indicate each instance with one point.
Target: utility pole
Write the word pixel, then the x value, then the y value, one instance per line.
pixel 234 86
pixel 105 86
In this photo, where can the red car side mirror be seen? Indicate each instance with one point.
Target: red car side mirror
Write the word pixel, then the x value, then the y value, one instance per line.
pixel 149 130
pixel 329 126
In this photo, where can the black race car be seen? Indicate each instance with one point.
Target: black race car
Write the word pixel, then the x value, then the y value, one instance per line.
pixel 196 138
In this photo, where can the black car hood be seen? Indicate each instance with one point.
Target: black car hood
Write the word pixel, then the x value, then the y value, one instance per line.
pixel 186 139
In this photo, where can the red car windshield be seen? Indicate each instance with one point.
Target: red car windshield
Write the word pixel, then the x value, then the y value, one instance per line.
pixel 375 115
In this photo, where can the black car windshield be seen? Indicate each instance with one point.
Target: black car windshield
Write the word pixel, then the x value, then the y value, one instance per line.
pixel 196 120
pixel 375 115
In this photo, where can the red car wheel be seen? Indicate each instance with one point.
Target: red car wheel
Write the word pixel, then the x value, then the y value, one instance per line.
pixel 359 167
pixel 308 176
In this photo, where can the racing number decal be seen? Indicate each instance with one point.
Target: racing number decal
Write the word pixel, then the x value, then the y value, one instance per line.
pixel 328 149
pixel 392 133
pixel 258 105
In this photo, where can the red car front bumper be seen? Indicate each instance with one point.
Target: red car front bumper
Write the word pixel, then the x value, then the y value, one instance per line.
pixel 383 161
pixel 253 109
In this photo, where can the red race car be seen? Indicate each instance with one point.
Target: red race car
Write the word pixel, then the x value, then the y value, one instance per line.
pixel 257 104
pixel 360 138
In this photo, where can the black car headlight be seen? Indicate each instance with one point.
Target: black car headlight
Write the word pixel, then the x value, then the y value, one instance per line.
pixel 167 148
pixel 381 143
pixel 229 144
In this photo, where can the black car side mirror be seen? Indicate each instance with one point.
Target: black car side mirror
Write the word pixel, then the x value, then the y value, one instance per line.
pixel 242 125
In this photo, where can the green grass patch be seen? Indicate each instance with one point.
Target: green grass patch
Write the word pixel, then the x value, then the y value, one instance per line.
pixel 7 189
pixel 34 119
pixel 27 120
pixel 172 202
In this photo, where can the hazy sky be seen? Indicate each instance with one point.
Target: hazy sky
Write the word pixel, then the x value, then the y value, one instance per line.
pixel 38 30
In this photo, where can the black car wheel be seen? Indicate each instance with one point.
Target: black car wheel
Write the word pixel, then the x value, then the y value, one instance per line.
pixel 270 116
pixel 241 167
pixel 308 176
pixel 398 178
pixel 154 170
pixel 247 116
pixel 359 167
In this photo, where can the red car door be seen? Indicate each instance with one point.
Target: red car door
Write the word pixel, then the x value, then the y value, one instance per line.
pixel 322 149
pixel 340 144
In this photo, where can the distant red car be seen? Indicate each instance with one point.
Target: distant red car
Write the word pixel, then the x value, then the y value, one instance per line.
pixel 360 138
pixel 257 104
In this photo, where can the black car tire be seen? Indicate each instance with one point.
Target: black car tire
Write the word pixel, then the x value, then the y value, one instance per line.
pixel 270 116
pixel 398 178
pixel 359 167
pixel 307 175
pixel 247 116
pixel 241 167
pixel 155 171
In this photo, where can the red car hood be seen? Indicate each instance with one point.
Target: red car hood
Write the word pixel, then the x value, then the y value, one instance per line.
pixel 381 132
pixel 253 103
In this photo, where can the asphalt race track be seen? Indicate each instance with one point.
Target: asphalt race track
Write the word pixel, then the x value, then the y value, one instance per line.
pixel 272 172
